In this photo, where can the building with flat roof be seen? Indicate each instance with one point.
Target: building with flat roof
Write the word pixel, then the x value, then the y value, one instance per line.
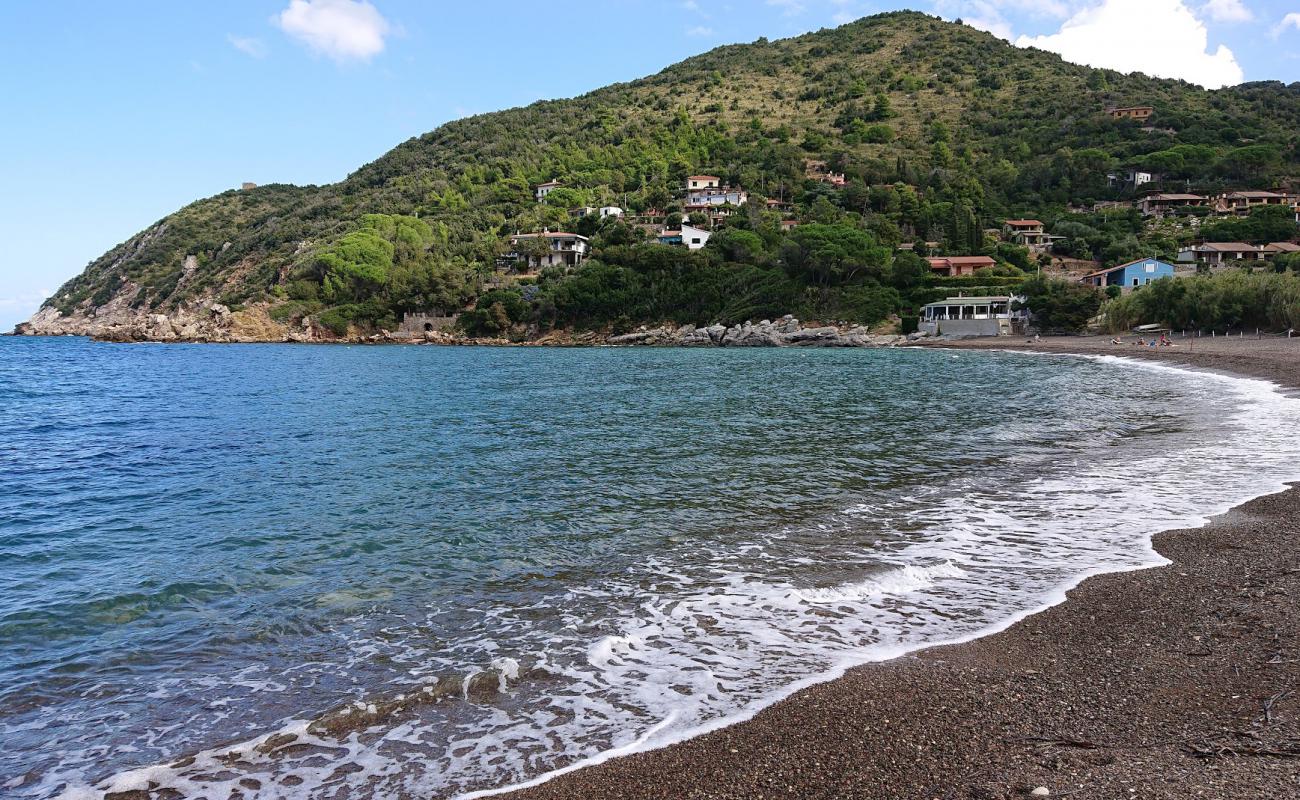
pixel 973 316
pixel 564 249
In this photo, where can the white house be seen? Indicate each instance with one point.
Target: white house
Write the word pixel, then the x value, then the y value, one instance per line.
pixel 973 316
pixel 712 198
pixel 566 249
pixel 696 182
pixel 546 188
pixel 611 211
pixel 689 237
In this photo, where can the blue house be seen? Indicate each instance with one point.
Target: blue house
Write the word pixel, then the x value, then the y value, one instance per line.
pixel 1132 275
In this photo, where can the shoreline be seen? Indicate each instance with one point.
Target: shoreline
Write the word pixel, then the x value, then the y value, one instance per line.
pixel 1134 706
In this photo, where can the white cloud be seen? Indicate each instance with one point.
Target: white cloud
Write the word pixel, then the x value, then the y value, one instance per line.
pixel 1158 37
pixel 1227 11
pixel 699 30
pixel 1291 20
pixel 344 30
pixel 990 15
pixel 247 45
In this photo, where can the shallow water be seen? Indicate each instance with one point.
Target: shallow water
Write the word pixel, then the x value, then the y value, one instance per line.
pixel 424 571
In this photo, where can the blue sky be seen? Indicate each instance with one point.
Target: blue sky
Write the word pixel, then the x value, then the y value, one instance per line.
pixel 117 113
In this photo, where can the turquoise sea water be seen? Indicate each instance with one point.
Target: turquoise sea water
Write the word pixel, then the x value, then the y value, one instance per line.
pixel 415 571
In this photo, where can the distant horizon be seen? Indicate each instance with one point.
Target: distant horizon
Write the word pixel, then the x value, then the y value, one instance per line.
pixel 189 102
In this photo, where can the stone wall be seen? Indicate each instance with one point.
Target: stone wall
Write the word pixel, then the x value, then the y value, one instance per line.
pixel 419 323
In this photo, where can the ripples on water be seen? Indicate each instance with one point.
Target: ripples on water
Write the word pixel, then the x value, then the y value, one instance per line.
pixel 304 571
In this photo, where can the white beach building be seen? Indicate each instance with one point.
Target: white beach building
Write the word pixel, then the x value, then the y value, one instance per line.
pixel 973 316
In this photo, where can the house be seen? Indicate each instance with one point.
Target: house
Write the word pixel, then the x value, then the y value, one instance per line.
pixel 1242 203
pixel 611 211
pixel 911 246
pixel 715 197
pixel 248 186
pixel 579 213
pixel 1014 226
pixel 1218 254
pixel 1280 249
pixel 1029 233
pixel 1162 205
pixel 973 316
pixel 697 182
pixel 546 188
pixel 788 225
pixel 959 266
pixel 1131 275
pixel 820 171
pixel 565 249
pixel 1139 113
pixel 1131 179
pixel 778 205
pixel 691 238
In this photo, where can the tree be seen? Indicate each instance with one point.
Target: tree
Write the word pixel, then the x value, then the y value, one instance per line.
pixel 1059 306
pixel 354 267
pixel 833 254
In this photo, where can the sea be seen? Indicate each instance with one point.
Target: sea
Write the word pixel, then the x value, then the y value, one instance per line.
pixel 278 571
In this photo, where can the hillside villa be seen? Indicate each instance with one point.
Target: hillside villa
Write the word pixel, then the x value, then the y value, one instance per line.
pixel 1131 178
pixel 1030 233
pixel 973 316
pixel 1219 254
pixel 1242 203
pixel 1139 113
pixel 690 237
pixel 1132 275
pixel 544 189
pixel 700 182
pixel 712 198
pixel 1280 249
pixel 1161 205
pixel 566 249
pixel 959 266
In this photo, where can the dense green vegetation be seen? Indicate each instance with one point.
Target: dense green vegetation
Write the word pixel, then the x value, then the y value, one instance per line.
pixel 941 130
pixel 1236 300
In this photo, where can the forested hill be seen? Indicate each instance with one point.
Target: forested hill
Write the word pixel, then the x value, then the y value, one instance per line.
pixel 941 131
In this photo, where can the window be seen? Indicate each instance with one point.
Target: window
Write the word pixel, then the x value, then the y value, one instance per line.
pixel 695 240
pixel 1135 281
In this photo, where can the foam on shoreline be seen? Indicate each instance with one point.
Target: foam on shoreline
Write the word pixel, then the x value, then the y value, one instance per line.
pixel 1264 390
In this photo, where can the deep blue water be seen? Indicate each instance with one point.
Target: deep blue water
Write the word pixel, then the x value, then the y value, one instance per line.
pixel 205 546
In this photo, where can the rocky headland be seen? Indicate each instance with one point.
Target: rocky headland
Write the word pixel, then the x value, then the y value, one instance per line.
pixel 213 322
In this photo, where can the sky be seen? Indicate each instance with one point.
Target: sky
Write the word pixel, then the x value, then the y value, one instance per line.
pixel 118 112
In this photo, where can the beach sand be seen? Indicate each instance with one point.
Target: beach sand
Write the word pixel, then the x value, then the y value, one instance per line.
pixel 1175 682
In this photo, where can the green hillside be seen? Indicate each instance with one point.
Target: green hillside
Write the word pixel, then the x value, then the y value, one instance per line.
pixel 941 130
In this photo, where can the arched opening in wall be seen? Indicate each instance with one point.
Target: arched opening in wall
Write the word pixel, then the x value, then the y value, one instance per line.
pixel 428 327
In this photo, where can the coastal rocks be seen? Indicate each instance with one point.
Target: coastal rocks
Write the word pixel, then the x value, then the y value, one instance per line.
pixel 785 332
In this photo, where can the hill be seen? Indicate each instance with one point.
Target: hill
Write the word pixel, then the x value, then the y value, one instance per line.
pixel 940 131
